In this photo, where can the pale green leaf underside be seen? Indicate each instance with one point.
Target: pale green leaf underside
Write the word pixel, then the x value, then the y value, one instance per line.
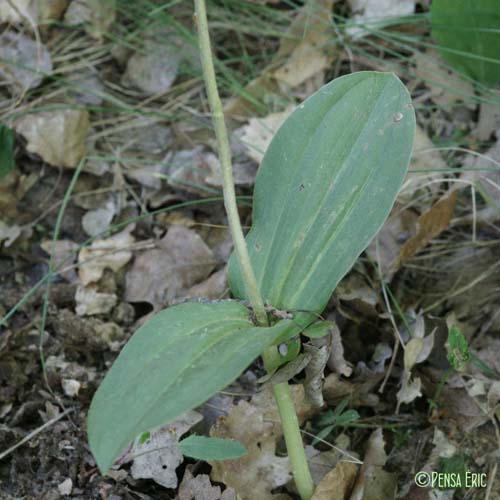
pixel 325 186
pixel 207 448
pixel 176 361
pixel 467 34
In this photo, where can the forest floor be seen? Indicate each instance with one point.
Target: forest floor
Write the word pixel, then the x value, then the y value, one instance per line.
pixel 113 198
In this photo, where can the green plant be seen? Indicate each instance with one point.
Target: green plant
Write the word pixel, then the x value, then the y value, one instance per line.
pixel 339 417
pixel 467 35
pixel 324 188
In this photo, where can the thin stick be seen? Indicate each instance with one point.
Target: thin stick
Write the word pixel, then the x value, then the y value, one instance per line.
pixel 31 435
pixel 224 151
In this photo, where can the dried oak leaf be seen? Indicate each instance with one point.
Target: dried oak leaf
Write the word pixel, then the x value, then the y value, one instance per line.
pixel 159 455
pixel 257 426
pixel 58 137
pixel 337 483
pixel 200 488
pixel 159 276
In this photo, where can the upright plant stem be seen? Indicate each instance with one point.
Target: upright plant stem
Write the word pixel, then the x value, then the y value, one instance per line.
pixel 225 160
pixel 282 393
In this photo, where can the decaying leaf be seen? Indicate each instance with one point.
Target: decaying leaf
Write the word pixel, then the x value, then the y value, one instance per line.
pixel 336 360
pixel 257 135
pixel 96 15
pixel 109 253
pixel 153 69
pixel 214 287
pixel 8 234
pixel 374 13
pixel 337 483
pixel 373 482
pixel 305 51
pixel 58 137
pixel 200 488
pixel 447 86
pixel 98 220
pixel 89 301
pixel 61 251
pixel 489 116
pixel 416 351
pixel 180 260
pixel 424 168
pixel 25 63
pixel 430 224
pixel 256 425
pixel 313 384
pixel 35 11
pixel 159 455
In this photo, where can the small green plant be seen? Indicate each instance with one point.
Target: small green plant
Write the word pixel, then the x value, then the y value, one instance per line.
pixel 339 417
pixel 325 186
pixel 467 35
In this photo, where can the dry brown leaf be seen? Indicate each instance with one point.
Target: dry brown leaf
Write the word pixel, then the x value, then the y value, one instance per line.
pixel 24 62
pixel 358 299
pixel 417 350
pixel 98 220
pixel 359 391
pixel 89 301
pixel 487 182
pixel 110 253
pixel 154 67
pixel 159 456
pixel 376 11
pixel 313 383
pixel 257 135
pixel 430 224
pixel 336 360
pixel 215 287
pixel 424 162
pixel 159 276
pixel 447 86
pixel 8 234
pixel 373 483
pixel 63 253
pixel 96 15
pixel 337 484
pixel 397 229
pixel 257 426
pixel 306 49
pixel 200 488
pixel 36 11
pixel 489 116
pixel 58 137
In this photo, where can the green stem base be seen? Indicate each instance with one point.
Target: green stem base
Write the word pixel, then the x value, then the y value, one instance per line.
pixel 293 440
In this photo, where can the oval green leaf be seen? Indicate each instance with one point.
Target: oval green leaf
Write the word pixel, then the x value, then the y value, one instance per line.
pixel 468 37
pixel 207 448
pixel 325 186
pixel 176 361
